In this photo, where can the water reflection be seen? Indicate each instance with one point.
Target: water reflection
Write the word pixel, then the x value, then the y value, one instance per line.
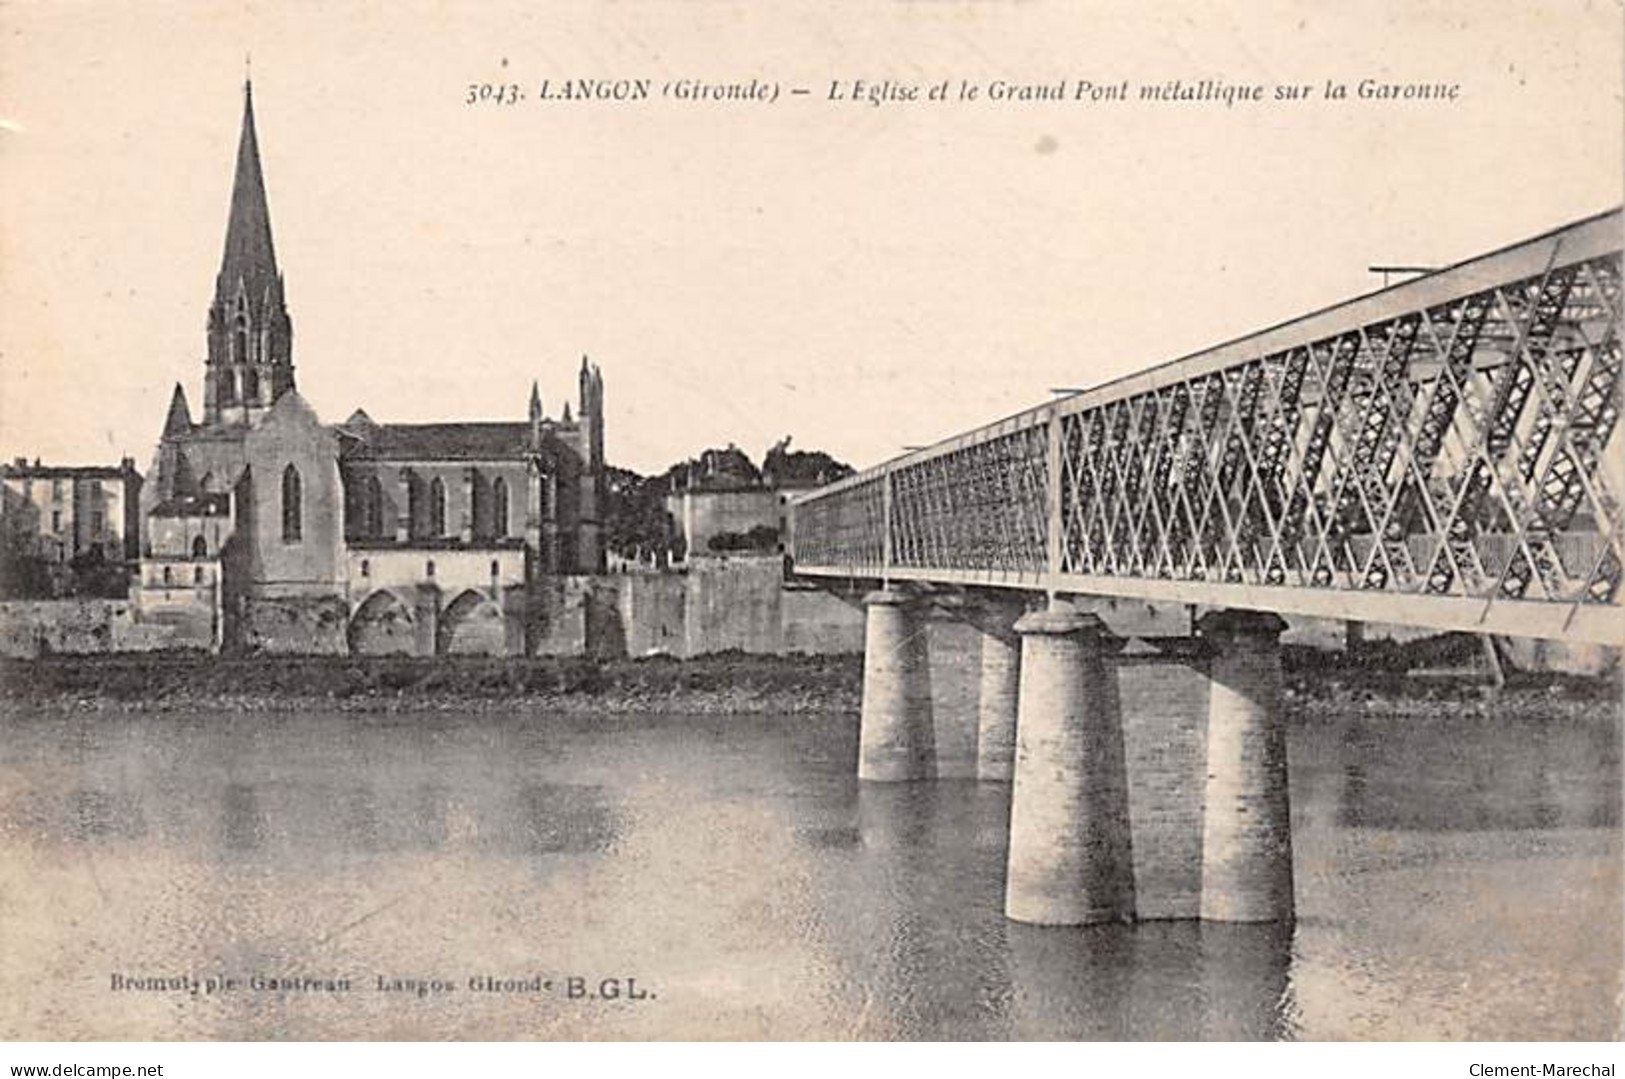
pixel 1158 980
pixel 1513 774
pixel 565 818
pixel 1245 992
pixel 358 816
pixel 736 864
pixel 97 815
pixel 242 822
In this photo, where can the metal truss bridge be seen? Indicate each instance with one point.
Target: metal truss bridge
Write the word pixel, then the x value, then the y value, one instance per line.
pixel 1442 453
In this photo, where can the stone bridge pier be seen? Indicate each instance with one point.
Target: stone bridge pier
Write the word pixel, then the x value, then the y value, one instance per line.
pixel 940 676
pixel 1148 773
pixel 896 740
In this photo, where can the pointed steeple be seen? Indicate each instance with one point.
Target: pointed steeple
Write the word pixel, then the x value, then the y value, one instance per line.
pixel 179 421
pixel 535 416
pixel 172 475
pixel 250 258
pixel 250 333
pixel 585 380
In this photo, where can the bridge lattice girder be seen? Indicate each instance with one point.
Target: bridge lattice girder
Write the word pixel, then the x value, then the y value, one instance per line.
pixel 1445 453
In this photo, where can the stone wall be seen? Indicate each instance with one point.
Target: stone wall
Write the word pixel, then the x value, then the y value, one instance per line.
pixel 308 625
pixel 652 614
pixel 473 624
pixel 721 603
pixel 403 510
pixel 733 604
pixel 290 440
pixel 702 515
pixel 191 612
pixel 76 626
pixel 821 622
pixel 568 611
pixel 383 625
pixel 1162 690
pixel 954 649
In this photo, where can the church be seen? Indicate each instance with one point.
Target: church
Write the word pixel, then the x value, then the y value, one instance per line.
pixel 263 528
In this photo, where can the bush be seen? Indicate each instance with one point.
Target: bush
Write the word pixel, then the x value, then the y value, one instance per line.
pixel 761 539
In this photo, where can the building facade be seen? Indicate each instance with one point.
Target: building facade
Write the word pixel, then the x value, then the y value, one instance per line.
pixel 289 534
pixel 80 525
pixel 722 502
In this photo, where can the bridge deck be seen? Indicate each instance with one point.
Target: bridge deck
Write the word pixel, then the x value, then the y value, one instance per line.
pixel 1445 453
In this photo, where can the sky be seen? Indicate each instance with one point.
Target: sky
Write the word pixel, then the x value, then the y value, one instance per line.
pixel 862 278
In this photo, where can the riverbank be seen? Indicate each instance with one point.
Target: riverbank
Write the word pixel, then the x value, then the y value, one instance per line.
pixel 1415 680
pixel 730 682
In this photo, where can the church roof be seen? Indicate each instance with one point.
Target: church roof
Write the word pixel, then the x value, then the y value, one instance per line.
pixel 206 505
pixel 249 256
pixel 179 420
pixel 466 441
pixel 21 469
pixel 441 441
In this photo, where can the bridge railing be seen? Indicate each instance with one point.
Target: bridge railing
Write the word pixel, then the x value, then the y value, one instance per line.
pixel 1445 452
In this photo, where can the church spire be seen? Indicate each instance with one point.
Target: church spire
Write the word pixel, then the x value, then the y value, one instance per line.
pixel 250 335
pixel 179 420
pixel 249 257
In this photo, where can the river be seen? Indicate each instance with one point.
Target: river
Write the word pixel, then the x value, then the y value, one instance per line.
pixel 493 876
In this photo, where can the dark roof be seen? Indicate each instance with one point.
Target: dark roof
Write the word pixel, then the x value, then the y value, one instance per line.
pixel 65 472
pixel 365 438
pixel 179 420
pixel 441 441
pixel 212 505
pixel 435 543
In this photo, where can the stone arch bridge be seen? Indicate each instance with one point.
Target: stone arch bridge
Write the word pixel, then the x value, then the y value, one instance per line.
pixel 427 622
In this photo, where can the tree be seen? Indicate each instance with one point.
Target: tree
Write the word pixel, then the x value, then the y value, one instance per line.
pixel 761 539
pixel 637 524
pixel 25 573
pixel 784 467
pixel 722 469
pixel 94 574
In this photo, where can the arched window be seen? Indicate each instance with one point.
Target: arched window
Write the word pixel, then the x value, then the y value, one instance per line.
pixel 293 517
pixel 251 385
pixel 200 547
pixel 437 508
pixel 499 508
pixel 372 509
